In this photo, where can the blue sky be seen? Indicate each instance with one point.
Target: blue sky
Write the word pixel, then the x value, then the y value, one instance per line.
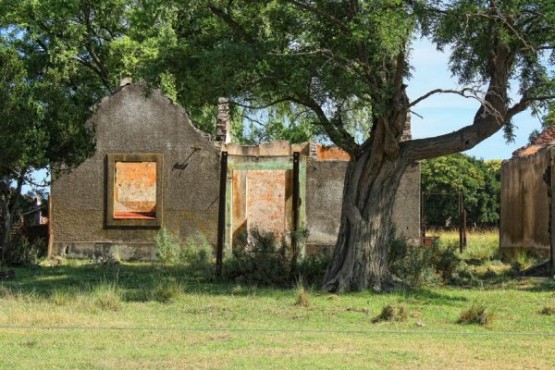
pixel 444 113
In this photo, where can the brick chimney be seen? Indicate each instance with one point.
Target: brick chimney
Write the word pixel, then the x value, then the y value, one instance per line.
pixel 223 122
pixel 407 131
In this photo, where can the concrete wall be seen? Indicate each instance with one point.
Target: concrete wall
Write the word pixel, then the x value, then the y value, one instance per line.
pixel 131 122
pixel 325 193
pixel 525 202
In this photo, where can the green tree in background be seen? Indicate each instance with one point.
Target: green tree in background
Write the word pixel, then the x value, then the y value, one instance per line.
pixel 443 178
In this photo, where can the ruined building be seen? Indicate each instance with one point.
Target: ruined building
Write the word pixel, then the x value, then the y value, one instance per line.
pixel 152 168
pixel 527 206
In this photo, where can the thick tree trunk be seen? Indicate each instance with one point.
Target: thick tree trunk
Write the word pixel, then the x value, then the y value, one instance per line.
pixel 360 258
pixel 9 208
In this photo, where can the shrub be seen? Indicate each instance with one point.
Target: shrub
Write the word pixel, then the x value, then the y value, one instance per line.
pixel 197 256
pixel 26 253
pixel 444 260
pixel 476 314
pixel 418 265
pixel 413 265
pixel 313 268
pixel 259 260
pixel 168 249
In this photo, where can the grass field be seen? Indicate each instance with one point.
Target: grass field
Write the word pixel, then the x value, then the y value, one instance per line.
pixel 153 316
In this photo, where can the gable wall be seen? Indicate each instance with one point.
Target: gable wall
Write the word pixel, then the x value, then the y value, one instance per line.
pixel 130 122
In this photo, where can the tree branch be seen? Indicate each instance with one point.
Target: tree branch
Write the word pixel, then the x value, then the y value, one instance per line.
pixel 322 14
pixel 232 23
pixel 448 91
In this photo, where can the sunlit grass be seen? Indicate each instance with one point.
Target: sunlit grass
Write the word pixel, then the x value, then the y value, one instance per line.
pixel 152 316
pixel 481 244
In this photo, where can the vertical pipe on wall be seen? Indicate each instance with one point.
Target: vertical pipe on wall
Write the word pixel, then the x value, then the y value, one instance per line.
pixel 551 195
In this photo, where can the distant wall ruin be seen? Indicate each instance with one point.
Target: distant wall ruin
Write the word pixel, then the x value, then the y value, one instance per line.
pixel 526 185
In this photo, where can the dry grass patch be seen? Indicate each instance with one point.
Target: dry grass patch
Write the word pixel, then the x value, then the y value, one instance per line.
pixel 476 314
pixel 392 313
pixel 302 295
pixel 548 310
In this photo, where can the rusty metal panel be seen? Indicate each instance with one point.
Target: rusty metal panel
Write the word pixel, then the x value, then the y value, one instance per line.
pixel 239 206
pixel 266 200
pixel 135 190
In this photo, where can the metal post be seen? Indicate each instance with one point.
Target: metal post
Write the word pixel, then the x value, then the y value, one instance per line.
pixel 296 202
pixel 460 223
pixel 463 221
pixel 221 214
pixel 423 215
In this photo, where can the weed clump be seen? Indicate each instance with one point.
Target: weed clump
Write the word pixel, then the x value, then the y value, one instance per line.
pixel 6 292
pixel 390 312
pixel 165 291
pixel 302 294
pixel 548 310
pixel 476 314
pixel 107 298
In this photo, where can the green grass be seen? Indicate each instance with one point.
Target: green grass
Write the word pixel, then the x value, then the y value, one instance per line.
pixel 153 316
pixel 483 244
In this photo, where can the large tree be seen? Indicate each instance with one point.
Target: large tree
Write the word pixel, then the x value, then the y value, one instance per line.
pixel 333 61
pixel 337 57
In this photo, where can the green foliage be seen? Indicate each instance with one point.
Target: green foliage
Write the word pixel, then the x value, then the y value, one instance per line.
pixel 262 261
pixel 197 256
pixel 168 248
pixel 420 265
pixel 413 265
pixel 166 290
pixel 444 178
pixel 26 253
pixel 313 268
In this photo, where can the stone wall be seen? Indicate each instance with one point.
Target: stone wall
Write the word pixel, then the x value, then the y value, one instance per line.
pixel 130 122
pixel 525 202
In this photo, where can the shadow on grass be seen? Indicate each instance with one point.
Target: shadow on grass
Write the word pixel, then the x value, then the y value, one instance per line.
pixel 135 281
pixel 427 296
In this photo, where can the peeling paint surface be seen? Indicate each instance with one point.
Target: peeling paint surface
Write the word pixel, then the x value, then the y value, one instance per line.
pixel 266 197
pixel 135 190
